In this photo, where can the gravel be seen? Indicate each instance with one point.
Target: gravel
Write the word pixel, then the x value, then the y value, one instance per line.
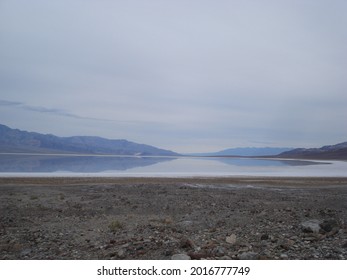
pixel 96 218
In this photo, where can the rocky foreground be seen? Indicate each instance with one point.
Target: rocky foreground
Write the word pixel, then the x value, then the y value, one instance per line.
pixel 226 218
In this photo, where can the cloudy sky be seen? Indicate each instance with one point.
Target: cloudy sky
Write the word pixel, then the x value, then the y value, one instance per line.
pixel 186 75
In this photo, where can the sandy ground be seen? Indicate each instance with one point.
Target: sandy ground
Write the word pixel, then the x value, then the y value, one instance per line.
pixel 168 218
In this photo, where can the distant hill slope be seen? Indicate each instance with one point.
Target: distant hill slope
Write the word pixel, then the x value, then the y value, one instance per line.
pixel 247 152
pixel 14 140
pixel 338 151
pixel 265 151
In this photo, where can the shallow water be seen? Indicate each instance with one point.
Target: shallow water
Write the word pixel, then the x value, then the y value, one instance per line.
pixel 122 166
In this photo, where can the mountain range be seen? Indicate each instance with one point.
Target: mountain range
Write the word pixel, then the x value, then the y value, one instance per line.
pixel 18 141
pixel 338 152
pixel 247 152
pixel 331 152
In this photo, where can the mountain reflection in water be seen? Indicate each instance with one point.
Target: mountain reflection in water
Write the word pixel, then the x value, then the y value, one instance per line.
pixel 264 162
pixel 79 164
pixel 19 163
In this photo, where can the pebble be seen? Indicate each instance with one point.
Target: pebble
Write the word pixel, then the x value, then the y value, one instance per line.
pixel 264 237
pixel 121 253
pixel 219 251
pixel 186 243
pixel 284 256
pixel 248 256
pixel 287 244
pixel 328 225
pixel 231 239
pixel 180 257
pixel 310 226
pixel 226 258
pixel 25 252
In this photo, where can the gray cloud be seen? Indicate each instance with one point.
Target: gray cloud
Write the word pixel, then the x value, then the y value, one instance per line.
pixel 9 103
pixel 175 73
pixel 64 113
pixel 40 109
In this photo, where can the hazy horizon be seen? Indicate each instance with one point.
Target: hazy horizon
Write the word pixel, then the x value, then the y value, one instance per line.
pixel 188 76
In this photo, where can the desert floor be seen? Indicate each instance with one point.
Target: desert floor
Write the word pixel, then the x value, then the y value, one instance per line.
pixel 165 218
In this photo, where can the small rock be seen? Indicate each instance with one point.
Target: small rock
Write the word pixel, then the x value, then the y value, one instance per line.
pixel 210 245
pixel 167 253
pixel 121 253
pixel 227 258
pixel 231 239
pixel 199 255
pixel 328 225
pixel 264 237
pixel 313 237
pixel 186 243
pixel 264 257
pixel 219 251
pixel 287 244
pixel 310 226
pixel 25 252
pixel 180 257
pixel 284 256
pixel 248 256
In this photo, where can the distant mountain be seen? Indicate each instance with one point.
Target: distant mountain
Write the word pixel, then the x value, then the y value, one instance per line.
pixel 14 140
pixel 338 151
pixel 247 152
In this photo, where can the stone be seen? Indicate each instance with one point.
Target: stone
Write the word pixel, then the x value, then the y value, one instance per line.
pixel 287 244
pixel 264 237
pixel 328 225
pixel 25 252
pixel 284 256
pixel 226 258
pixel 219 251
pixel 248 256
pixel 121 253
pixel 313 237
pixel 199 255
pixel 186 243
pixel 311 226
pixel 180 257
pixel 231 239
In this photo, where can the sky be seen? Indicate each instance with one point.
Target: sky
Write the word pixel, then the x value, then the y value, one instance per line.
pixel 189 76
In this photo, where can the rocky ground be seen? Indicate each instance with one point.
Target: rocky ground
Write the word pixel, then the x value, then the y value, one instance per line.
pixel 226 218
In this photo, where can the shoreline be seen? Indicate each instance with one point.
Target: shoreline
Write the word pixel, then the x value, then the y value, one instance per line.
pixel 266 180
pixel 159 218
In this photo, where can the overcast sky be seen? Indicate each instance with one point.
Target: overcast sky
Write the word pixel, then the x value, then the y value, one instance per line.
pixel 191 76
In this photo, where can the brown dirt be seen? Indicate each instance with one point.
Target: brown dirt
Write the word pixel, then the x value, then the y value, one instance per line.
pixel 156 218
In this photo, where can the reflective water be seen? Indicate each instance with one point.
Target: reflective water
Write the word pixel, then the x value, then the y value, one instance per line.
pixel 72 165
